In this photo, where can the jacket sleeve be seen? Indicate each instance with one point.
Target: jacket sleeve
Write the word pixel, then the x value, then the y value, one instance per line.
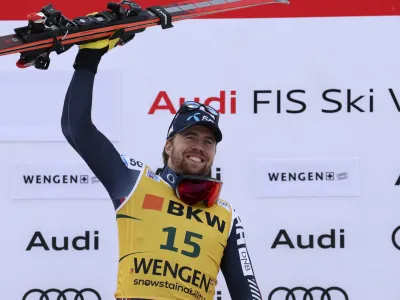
pixel 236 265
pixel 94 148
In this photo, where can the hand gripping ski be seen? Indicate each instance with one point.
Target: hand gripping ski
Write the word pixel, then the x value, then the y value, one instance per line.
pixel 50 31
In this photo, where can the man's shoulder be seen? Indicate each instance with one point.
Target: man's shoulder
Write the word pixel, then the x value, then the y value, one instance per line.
pixel 225 204
pixel 138 165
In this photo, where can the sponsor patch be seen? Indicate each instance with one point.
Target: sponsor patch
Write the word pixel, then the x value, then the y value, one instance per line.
pixel 132 163
pixel 153 202
pixel 152 175
pixel 245 261
pixel 224 205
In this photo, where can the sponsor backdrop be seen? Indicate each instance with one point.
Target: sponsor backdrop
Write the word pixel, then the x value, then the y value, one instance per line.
pixel 309 158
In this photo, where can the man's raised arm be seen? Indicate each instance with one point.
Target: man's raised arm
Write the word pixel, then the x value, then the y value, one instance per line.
pixel 77 126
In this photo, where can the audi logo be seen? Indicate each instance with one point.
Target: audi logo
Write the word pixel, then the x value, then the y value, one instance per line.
pixel 73 294
pixel 315 293
pixel 394 238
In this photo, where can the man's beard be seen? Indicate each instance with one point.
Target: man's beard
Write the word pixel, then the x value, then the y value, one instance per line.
pixel 181 167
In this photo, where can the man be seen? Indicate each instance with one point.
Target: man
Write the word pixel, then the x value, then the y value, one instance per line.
pixel 175 234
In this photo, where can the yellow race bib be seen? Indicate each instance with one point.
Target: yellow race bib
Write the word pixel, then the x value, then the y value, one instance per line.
pixel 167 249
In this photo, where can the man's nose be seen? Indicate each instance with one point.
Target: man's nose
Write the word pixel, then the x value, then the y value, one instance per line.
pixel 198 146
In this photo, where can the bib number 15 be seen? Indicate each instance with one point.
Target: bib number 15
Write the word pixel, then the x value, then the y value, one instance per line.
pixel 190 238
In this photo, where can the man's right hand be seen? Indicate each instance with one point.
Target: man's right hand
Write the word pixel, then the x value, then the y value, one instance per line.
pixel 90 53
pixel 104 45
pixel 107 44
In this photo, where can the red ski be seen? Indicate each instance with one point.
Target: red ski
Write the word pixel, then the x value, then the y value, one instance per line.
pixel 50 31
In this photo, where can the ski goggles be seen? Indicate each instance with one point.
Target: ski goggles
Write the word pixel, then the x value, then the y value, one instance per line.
pixel 192 189
pixel 192 105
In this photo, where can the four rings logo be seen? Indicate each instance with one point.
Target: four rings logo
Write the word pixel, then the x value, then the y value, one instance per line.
pixel 73 294
pixel 315 293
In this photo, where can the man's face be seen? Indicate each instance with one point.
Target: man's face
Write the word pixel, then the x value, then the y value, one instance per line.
pixel 192 151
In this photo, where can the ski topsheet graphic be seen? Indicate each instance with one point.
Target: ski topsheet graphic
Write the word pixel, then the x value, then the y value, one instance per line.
pixel 50 31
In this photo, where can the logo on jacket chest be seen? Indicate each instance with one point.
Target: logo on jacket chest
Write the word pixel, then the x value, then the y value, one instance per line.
pixel 195 214
pixel 174 208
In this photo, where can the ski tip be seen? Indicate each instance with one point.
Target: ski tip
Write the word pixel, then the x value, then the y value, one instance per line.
pixel 21 64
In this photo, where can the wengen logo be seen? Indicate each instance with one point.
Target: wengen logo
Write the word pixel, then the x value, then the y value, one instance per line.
pixel 159 267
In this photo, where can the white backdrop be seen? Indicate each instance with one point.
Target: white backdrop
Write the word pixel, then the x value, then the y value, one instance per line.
pixel 200 58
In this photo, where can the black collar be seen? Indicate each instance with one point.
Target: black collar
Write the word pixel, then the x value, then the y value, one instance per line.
pixel 169 176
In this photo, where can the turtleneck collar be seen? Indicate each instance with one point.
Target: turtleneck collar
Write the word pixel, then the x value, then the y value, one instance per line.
pixel 169 176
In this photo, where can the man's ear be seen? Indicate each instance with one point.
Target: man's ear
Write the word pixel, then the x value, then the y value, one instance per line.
pixel 168 147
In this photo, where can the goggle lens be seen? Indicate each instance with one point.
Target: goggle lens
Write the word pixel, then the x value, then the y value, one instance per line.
pixel 196 105
pixel 192 105
pixel 212 111
pixel 192 191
